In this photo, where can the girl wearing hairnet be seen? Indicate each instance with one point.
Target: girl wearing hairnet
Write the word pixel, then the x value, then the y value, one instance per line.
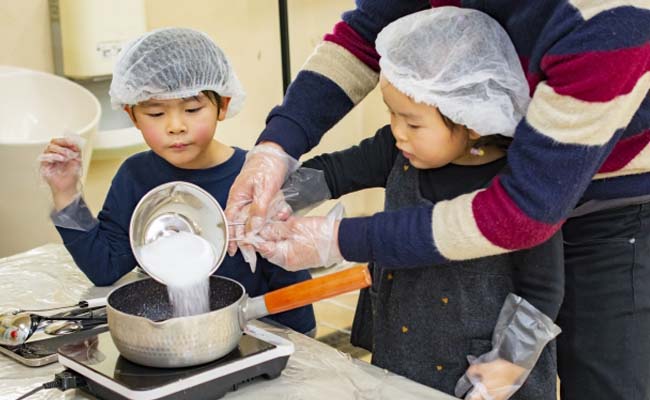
pixel 579 162
pixel 454 103
pixel 177 86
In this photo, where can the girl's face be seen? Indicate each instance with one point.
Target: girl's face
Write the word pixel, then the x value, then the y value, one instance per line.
pixel 420 132
pixel 181 130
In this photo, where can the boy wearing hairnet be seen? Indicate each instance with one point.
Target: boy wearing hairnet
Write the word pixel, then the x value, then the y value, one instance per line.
pixel 176 86
pixel 455 91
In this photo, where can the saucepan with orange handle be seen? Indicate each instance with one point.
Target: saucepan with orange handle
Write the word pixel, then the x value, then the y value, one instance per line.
pixel 141 322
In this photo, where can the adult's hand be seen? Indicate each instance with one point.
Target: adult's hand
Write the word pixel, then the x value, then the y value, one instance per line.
pixel 251 195
pixel 302 242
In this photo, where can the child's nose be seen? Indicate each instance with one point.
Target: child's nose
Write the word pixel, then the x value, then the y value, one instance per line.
pixel 175 124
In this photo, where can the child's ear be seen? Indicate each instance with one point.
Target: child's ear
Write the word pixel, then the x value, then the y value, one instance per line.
pixel 129 110
pixel 223 109
pixel 473 135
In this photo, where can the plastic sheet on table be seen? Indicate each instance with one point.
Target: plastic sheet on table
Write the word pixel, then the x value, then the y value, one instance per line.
pixel 47 277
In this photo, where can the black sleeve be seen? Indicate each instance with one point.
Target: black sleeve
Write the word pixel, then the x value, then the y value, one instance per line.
pixel 539 275
pixel 363 166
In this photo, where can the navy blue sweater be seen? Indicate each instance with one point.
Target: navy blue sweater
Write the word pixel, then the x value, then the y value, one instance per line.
pixel 104 253
pixel 586 135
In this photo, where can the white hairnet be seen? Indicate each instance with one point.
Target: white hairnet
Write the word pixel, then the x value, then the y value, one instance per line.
pixel 460 61
pixel 173 63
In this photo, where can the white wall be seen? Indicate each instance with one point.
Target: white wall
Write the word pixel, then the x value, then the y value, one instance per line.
pixel 248 32
pixel 25 34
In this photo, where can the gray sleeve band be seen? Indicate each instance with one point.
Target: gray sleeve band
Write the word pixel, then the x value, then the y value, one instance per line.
pixel 75 216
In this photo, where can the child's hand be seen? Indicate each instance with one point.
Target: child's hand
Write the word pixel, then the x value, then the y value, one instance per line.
pixel 60 167
pixel 520 334
pixel 278 210
pixel 302 242
pixel 492 380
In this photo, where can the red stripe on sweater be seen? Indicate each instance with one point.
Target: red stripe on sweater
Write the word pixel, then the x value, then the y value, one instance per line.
pixel 598 75
pixel 624 151
pixel 345 36
pixel 533 78
pixel 503 223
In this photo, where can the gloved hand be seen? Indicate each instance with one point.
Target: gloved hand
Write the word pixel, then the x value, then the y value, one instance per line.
pixel 257 184
pixel 491 380
pixel 305 189
pixel 520 335
pixel 60 168
pixel 303 242
pixel 278 210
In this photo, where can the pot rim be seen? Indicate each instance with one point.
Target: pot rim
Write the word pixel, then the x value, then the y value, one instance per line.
pixel 123 314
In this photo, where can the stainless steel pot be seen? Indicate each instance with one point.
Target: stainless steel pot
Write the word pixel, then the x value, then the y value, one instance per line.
pixel 141 324
pixel 178 207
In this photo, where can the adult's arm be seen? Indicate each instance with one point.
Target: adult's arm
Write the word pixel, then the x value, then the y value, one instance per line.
pixel 595 79
pixel 343 69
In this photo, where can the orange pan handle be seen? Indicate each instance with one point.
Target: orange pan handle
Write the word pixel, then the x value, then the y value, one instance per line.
pixel 307 292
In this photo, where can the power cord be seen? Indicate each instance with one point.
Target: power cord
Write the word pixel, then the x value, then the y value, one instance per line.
pixel 63 381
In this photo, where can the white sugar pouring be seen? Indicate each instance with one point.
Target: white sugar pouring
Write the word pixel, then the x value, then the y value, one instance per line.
pixel 178 234
pixel 183 261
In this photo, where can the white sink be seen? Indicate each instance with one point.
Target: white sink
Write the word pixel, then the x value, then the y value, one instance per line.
pixel 35 107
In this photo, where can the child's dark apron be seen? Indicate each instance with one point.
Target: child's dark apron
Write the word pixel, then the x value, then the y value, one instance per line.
pixel 423 322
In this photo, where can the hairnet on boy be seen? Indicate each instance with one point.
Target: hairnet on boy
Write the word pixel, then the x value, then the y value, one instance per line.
pixel 173 63
pixel 460 61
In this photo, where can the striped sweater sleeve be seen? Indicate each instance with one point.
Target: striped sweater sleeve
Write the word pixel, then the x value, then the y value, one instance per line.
pixel 596 77
pixel 343 69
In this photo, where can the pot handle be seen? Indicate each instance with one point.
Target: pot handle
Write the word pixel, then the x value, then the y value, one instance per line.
pixel 307 292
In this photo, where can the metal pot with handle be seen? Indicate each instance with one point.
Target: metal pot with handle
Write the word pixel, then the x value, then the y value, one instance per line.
pixel 175 207
pixel 141 324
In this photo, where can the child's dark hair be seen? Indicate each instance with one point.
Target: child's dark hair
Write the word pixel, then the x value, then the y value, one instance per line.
pixel 496 140
pixel 214 98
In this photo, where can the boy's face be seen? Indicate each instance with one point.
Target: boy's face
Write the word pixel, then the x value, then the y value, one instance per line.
pixel 180 130
pixel 420 132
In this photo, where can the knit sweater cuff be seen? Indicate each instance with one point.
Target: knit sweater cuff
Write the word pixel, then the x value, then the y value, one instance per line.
pixel 396 239
pixel 288 134
pixel 354 242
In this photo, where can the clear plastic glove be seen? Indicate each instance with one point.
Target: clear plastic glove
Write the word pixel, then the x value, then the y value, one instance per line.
pixel 278 210
pixel 75 215
pixel 258 183
pixel 60 168
pixel 493 380
pixel 520 335
pixel 303 242
pixel 305 189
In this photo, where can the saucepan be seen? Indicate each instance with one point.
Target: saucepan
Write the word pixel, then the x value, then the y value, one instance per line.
pixel 178 207
pixel 144 331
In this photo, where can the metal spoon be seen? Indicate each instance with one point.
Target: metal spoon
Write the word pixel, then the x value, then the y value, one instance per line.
pixel 91 303
pixel 62 327
pixel 24 325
